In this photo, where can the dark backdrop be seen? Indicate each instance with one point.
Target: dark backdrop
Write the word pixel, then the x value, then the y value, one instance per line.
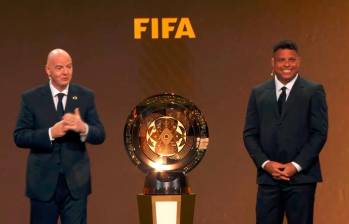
pixel 217 70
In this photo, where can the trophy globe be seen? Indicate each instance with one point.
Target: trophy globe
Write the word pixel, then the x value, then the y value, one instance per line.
pixel 166 136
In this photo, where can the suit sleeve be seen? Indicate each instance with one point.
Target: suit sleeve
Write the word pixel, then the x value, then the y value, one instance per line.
pixel 318 129
pixel 251 133
pixel 26 135
pixel 96 134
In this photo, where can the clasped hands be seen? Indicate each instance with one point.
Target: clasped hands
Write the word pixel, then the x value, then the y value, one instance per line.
pixel 280 171
pixel 69 122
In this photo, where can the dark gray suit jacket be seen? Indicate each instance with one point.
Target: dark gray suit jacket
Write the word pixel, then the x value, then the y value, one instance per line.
pixel 298 134
pixel 66 154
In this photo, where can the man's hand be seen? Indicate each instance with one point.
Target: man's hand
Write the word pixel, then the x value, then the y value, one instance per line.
pixel 74 122
pixel 277 170
pixel 59 129
pixel 289 170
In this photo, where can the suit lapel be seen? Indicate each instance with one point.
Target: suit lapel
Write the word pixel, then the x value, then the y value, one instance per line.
pixel 49 111
pixel 72 100
pixel 271 97
pixel 292 98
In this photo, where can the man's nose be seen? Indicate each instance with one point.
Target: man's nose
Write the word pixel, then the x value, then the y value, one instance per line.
pixel 65 70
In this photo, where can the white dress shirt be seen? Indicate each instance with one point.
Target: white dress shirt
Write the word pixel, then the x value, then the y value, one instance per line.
pixel 55 93
pixel 279 85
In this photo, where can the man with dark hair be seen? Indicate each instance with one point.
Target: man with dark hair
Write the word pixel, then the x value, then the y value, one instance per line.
pixel 285 44
pixel 55 122
pixel 285 130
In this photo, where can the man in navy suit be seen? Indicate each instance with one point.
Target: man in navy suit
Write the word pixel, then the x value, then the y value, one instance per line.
pixel 55 122
pixel 285 130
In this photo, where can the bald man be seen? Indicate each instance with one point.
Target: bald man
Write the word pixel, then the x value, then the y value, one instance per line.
pixel 55 122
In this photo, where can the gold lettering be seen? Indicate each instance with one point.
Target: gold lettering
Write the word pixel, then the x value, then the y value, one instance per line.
pixel 167 27
pixel 185 29
pixel 139 27
pixel 154 28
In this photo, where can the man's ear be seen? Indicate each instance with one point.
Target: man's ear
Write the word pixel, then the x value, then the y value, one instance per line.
pixel 272 63
pixel 48 72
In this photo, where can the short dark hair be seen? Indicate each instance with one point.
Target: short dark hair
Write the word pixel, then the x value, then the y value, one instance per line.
pixel 285 44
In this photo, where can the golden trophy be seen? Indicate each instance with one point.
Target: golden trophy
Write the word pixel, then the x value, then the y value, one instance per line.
pixel 166 136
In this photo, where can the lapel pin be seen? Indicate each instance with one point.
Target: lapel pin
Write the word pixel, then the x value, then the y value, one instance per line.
pixel 75 97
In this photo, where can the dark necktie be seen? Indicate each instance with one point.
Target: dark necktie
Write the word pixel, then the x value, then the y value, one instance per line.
pixel 60 110
pixel 282 99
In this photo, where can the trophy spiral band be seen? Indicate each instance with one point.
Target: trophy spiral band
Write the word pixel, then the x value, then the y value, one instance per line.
pixel 166 136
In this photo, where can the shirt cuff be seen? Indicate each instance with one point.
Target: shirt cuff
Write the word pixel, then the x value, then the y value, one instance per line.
pixel 298 167
pixel 265 163
pixel 50 135
pixel 83 136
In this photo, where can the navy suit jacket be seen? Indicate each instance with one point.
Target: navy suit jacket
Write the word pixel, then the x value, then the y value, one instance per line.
pixel 298 134
pixel 66 154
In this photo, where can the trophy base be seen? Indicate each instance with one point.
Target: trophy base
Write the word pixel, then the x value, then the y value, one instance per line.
pixel 165 183
pixel 166 209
